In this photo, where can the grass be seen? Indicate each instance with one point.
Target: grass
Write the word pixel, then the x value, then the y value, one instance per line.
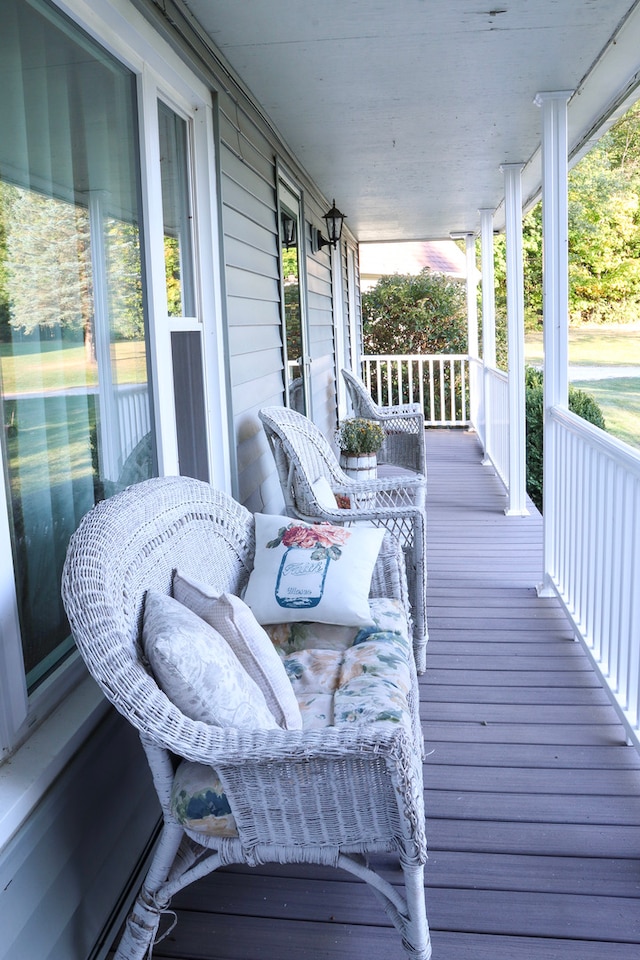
pixel 594 345
pixel 32 367
pixel 619 400
pixel 604 346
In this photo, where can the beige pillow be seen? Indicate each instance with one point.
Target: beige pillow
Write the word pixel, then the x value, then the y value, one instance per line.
pixel 234 621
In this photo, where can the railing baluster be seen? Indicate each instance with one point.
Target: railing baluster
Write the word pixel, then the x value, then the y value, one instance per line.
pixel 595 565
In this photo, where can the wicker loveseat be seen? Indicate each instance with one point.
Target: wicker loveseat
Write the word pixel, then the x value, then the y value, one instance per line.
pixel 327 795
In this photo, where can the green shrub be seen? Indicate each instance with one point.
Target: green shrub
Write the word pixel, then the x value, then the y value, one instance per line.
pixel 580 402
pixel 584 405
pixel 415 314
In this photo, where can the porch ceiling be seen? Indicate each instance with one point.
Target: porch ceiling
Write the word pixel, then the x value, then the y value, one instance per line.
pixel 405 110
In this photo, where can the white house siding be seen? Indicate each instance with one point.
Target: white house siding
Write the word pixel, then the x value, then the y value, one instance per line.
pixel 252 277
pixel 321 338
pixel 352 306
pixel 249 171
pixel 63 875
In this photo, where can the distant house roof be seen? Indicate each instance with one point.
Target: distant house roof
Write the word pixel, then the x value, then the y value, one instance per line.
pixel 384 259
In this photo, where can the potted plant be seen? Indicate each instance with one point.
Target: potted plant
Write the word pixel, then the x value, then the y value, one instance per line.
pixel 359 440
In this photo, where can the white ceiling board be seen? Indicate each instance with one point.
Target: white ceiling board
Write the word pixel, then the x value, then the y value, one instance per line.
pixel 404 110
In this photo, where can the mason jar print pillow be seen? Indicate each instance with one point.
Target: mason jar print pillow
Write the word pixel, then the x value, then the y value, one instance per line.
pixel 315 572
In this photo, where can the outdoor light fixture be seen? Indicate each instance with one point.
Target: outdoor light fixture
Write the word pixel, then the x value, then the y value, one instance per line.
pixel 289 229
pixel 334 220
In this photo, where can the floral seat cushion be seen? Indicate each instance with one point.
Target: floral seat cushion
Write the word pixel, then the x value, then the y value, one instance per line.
pixel 350 676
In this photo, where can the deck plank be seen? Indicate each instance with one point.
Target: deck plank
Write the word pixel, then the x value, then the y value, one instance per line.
pixel 532 795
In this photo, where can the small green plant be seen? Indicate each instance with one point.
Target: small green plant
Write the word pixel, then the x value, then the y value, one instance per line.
pixel 359 437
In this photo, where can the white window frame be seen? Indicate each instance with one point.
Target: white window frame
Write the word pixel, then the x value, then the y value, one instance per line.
pixel 66 707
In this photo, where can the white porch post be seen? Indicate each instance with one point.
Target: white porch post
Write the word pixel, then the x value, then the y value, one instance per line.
pixel 488 320
pixel 476 385
pixel 555 295
pixel 515 333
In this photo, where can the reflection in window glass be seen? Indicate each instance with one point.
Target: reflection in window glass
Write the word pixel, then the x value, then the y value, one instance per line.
pixel 74 393
pixel 174 172
pixel 292 310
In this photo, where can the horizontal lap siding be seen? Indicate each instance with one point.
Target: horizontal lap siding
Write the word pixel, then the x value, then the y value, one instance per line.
pixel 321 340
pixel 61 877
pixel 249 219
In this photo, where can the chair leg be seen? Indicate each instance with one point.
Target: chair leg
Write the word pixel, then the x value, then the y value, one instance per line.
pixel 416 939
pixel 142 924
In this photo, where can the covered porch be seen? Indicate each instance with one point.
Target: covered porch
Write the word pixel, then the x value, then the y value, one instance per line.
pixel 532 794
pixel 420 118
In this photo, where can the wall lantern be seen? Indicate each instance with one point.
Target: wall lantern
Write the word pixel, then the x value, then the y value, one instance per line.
pixel 334 220
pixel 289 230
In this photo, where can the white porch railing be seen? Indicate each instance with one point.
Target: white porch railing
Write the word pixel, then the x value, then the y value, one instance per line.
pixel 439 382
pixel 134 417
pixel 592 511
pixel 592 551
pixel 496 389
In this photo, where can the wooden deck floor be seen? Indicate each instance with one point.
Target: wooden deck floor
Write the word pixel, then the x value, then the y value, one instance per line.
pixel 533 799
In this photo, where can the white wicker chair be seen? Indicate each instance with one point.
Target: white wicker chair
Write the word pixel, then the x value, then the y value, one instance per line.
pixel 328 796
pixel 303 455
pixel 403 425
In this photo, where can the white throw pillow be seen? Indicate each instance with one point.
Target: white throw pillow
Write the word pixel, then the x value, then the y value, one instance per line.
pixel 321 489
pixel 317 572
pixel 251 644
pixel 197 669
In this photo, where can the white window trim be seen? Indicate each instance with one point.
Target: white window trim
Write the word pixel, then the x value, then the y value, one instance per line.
pixel 47 729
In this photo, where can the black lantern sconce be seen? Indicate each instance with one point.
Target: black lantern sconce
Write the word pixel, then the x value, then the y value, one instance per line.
pixel 334 220
pixel 289 231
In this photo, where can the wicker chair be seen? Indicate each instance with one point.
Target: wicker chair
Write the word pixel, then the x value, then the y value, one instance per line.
pixel 303 456
pixel 403 425
pixel 328 796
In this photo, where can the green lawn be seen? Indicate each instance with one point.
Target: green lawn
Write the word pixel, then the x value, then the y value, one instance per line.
pixel 594 345
pixel 30 367
pixel 619 399
pixel 604 346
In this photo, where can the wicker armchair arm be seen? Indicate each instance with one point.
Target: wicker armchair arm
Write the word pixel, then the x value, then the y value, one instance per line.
pixel 227 747
pixel 408 485
pixel 375 512
pixel 411 412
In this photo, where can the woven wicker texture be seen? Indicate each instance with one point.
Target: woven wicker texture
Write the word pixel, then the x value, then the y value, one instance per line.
pixel 403 425
pixel 328 796
pixel 303 455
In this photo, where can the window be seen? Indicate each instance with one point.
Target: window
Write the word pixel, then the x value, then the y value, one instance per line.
pixel 178 250
pixel 74 390
pixel 293 306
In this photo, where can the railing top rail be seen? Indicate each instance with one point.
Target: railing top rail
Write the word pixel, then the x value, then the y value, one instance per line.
pixel 616 449
pixel 386 357
pixel 497 374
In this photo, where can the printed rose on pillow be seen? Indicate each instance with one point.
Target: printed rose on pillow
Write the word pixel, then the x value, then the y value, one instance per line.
pixel 315 572
pixel 310 550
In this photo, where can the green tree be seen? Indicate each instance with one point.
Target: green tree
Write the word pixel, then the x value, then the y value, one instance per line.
pixel 604 241
pixel 415 314
pixel 46 239
pixel 604 235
